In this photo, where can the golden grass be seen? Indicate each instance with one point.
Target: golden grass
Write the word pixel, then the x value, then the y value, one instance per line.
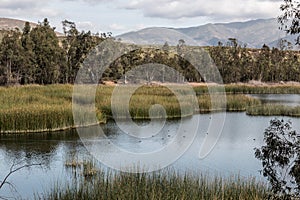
pixel 35 108
pixel 159 185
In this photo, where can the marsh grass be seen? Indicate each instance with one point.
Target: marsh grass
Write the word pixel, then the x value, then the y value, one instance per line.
pixel 250 89
pixel 268 89
pixel 233 103
pixel 35 108
pixel 274 110
pixel 162 185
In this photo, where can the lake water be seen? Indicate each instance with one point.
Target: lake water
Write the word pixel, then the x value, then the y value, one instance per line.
pixel 233 153
pixel 285 99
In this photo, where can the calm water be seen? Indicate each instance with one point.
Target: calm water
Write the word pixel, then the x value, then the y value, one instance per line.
pixel 285 99
pixel 233 153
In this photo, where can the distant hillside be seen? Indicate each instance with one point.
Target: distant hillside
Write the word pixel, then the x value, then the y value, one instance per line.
pixel 254 33
pixel 10 24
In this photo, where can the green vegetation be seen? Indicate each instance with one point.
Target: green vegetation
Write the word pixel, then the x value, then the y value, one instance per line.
pixel 280 158
pixel 234 103
pixel 38 56
pixel 274 110
pixel 35 108
pixel 159 185
pixel 251 89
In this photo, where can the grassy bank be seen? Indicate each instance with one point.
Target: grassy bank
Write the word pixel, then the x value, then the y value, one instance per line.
pixel 252 89
pixel 35 108
pixel 162 185
pixel 274 110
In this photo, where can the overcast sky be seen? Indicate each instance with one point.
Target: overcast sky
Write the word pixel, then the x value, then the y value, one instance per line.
pixel 119 16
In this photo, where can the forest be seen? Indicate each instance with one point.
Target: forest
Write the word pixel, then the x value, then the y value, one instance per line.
pixel 37 55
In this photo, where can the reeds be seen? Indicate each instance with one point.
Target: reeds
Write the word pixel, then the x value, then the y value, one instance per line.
pixel 232 103
pixel 250 89
pixel 35 108
pixel 142 100
pixel 274 110
pixel 262 89
pixel 160 185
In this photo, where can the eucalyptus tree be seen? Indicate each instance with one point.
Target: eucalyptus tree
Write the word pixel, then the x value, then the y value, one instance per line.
pixel 48 54
pixel 11 57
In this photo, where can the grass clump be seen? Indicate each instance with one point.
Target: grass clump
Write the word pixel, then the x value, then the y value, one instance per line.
pixel 274 110
pixel 35 108
pixel 159 185
pixel 250 89
pixel 234 103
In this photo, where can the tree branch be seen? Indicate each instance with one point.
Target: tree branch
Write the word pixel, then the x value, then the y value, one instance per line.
pixel 12 170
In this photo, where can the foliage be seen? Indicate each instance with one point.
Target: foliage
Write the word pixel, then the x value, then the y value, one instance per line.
pixel 290 18
pixel 164 185
pixel 52 105
pixel 48 54
pixel 241 64
pixel 274 110
pixel 280 157
pixel 38 55
pixel 21 106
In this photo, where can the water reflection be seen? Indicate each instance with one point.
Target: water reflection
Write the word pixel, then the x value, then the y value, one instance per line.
pixel 233 153
pixel 284 99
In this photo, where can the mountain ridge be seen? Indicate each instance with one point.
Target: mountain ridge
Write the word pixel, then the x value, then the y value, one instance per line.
pixel 253 33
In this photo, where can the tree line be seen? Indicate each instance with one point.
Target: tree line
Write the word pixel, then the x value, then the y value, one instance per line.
pixel 238 63
pixel 36 55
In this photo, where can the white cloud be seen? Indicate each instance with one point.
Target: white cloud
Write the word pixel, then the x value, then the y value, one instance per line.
pixel 14 8
pixel 87 26
pixel 217 9
pixel 117 27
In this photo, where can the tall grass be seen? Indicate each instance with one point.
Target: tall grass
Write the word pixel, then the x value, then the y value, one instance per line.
pixel 162 185
pixel 234 103
pixel 251 89
pixel 274 110
pixel 142 100
pixel 35 108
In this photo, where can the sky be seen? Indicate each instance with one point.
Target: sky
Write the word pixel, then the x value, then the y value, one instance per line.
pixel 120 16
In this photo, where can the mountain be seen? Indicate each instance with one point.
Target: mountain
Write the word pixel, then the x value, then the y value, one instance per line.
pixel 254 33
pixel 10 24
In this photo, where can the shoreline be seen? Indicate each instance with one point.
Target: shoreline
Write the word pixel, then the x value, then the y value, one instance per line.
pixel 38 108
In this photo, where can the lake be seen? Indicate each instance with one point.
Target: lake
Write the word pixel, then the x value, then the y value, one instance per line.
pixel 233 153
pixel 285 99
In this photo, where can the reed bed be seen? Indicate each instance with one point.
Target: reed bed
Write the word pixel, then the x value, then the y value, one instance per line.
pixel 268 89
pixel 36 118
pixel 162 185
pixel 274 110
pixel 143 99
pixel 35 108
pixel 232 103
pixel 250 89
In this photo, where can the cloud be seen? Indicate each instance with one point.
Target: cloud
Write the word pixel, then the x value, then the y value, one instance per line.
pixel 117 27
pixel 217 9
pixel 13 8
pixel 92 2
